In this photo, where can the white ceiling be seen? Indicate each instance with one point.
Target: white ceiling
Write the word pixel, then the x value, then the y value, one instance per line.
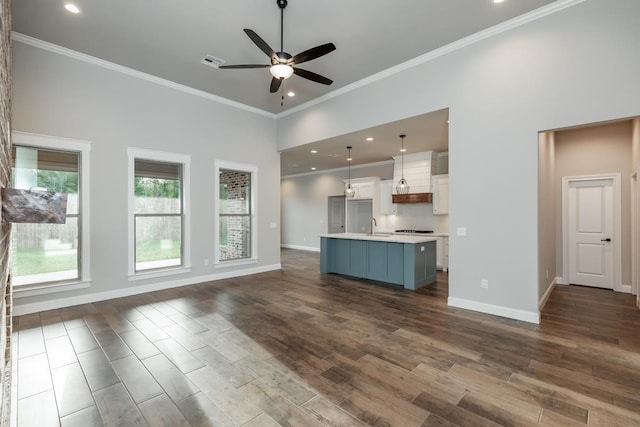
pixel 423 133
pixel 168 39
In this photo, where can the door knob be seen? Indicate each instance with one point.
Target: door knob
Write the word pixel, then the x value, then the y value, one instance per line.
pixel 605 240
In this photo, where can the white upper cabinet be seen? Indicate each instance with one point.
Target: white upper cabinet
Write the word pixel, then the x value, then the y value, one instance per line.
pixel 386 205
pixel 365 188
pixel 440 185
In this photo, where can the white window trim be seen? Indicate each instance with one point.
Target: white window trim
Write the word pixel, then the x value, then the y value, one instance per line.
pixel 34 140
pixel 159 156
pixel 253 170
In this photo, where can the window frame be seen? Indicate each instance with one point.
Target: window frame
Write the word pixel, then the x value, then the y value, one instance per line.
pixel 253 171
pixel 184 160
pixel 83 149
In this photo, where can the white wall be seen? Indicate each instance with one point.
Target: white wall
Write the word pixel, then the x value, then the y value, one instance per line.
pixel 60 96
pixel 571 67
pixel 304 202
pixel 304 206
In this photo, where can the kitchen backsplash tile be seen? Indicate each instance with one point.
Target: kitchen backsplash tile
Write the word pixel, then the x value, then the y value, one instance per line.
pixel 415 217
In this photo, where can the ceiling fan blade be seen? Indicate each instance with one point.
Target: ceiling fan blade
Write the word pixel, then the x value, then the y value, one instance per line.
pixel 255 38
pixel 233 67
pixel 313 53
pixel 312 76
pixel 275 84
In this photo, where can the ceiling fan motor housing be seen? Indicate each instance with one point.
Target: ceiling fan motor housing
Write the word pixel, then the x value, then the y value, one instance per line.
pixel 282 3
pixel 280 58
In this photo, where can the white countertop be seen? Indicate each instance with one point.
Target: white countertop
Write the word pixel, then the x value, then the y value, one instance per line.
pixel 395 238
pixel 436 234
pixel 439 234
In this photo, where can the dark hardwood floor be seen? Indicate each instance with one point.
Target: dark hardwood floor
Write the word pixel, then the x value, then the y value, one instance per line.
pixel 297 348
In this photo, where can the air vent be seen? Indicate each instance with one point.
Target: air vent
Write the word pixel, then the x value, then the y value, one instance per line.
pixel 212 61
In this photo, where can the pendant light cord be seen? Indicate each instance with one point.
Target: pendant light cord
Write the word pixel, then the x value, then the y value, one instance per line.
pixel 349 160
pixel 348 191
pixel 402 156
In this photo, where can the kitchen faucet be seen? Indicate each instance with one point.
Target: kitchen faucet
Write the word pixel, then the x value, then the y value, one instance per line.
pixel 372 223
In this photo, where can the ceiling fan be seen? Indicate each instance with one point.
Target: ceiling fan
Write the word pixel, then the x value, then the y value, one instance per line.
pixel 283 64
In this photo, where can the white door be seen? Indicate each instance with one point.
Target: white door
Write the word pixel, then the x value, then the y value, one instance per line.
pixel 591 232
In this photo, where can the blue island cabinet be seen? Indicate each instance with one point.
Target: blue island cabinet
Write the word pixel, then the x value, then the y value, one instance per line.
pixel 386 262
pixel 411 265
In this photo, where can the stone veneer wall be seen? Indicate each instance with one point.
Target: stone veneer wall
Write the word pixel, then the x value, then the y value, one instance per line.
pixel 5 229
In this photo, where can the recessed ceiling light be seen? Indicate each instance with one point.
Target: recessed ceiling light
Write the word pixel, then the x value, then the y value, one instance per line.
pixel 402 150
pixel 313 169
pixel 369 139
pixel 72 8
pixel 291 93
pixel 314 151
pixel 498 1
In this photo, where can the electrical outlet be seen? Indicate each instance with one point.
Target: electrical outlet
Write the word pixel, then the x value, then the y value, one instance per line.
pixel 461 231
pixel 484 284
pixel 206 261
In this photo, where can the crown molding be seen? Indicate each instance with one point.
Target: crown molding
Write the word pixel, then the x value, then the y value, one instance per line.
pixel 31 41
pixel 436 53
pixel 429 56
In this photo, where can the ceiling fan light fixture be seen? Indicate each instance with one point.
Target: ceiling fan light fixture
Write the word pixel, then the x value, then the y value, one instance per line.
pixel 281 71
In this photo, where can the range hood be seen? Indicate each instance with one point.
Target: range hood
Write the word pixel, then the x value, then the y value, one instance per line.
pixel 418 168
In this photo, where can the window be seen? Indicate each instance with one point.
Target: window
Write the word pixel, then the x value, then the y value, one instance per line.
pixel 235 211
pixel 51 255
pixel 159 223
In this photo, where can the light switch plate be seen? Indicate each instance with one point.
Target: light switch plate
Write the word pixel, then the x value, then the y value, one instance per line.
pixel 461 231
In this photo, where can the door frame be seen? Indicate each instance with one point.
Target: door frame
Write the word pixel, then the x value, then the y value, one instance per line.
pixel 344 216
pixel 617 226
pixel 635 234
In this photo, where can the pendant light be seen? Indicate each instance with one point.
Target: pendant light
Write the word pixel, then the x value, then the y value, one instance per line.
pixel 349 192
pixel 403 186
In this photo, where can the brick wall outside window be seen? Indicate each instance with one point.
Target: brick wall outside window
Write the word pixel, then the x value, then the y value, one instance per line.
pixel 5 229
pixel 238 242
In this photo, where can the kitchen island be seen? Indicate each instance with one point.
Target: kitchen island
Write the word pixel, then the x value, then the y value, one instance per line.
pixel 409 261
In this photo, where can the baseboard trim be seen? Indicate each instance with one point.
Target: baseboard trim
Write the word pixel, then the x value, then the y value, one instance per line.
pixel 546 295
pixel 301 248
pixel 511 313
pixel 36 307
pixel 622 288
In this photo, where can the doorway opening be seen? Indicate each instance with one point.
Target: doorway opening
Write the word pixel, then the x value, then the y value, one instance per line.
pixel 336 219
pixel 578 154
